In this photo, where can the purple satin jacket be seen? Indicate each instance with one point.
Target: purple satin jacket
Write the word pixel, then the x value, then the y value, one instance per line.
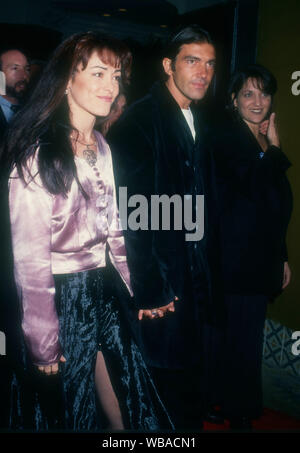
pixel 52 234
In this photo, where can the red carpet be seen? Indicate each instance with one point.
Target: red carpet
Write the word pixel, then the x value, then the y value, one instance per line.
pixel 270 421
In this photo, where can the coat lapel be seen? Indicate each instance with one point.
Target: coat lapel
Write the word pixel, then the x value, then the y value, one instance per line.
pixel 175 128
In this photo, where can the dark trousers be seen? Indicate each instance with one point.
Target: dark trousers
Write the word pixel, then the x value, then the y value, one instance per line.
pixel 233 358
pixel 181 393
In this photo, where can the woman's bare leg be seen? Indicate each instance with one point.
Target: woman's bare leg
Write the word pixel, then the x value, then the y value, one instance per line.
pixel 106 394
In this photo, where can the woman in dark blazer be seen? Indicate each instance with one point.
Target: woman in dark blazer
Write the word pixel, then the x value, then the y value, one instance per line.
pixel 256 204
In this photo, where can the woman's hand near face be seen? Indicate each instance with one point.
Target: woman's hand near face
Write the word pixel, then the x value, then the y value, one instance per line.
pixel 263 127
pixel 272 133
pixel 51 369
pixel 286 275
pixel 269 129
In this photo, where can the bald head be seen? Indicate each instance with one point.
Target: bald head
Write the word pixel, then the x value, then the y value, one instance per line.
pixel 16 68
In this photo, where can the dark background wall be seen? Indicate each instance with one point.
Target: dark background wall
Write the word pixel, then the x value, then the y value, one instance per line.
pixel 40 26
pixel 278 49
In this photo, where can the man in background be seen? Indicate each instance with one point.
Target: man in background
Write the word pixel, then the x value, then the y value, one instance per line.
pixel 16 69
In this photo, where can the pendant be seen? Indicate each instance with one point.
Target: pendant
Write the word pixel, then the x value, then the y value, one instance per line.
pixel 90 156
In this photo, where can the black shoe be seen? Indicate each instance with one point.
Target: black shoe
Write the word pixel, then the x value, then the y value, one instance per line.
pixel 241 424
pixel 214 416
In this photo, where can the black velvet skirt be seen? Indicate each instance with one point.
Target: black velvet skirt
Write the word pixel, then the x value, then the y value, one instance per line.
pixel 94 314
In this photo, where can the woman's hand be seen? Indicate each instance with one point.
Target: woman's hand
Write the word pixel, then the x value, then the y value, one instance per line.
pixel 157 312
pixel 51 369
pixel 272 133
pixel 269 128
pixel 286 275
pixel 263 127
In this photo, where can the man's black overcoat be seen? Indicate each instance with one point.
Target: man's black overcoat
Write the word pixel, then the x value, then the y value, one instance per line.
pixel 153 154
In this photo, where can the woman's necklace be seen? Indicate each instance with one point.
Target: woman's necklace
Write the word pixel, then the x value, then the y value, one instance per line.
pixel 89 154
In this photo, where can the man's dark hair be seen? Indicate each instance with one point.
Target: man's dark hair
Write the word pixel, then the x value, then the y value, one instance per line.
pixel 187 35
pixel 8 49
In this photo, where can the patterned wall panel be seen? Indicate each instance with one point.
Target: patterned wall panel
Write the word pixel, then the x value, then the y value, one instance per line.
pixel 277 348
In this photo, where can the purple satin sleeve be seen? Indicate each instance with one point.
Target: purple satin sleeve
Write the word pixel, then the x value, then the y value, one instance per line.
pixel 115 239
pixel 30 215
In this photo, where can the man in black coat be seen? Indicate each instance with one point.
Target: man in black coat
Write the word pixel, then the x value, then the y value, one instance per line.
pixel 159 148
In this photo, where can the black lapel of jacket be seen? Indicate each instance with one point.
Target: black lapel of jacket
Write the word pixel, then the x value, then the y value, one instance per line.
pixel 175 127
pixel 201 154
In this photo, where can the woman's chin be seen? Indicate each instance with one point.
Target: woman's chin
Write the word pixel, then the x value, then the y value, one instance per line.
pixel 103 112
pixel 256 121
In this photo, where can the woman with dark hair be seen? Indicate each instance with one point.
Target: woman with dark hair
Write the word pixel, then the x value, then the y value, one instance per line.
pixel 256 204
pixel 70 262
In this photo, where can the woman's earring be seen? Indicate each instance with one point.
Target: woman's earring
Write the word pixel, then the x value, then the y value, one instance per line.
pixel 66 91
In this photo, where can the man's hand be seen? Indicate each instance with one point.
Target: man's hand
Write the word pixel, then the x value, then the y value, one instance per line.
pixel 157 312
pixel 286 275
pixel 51 369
